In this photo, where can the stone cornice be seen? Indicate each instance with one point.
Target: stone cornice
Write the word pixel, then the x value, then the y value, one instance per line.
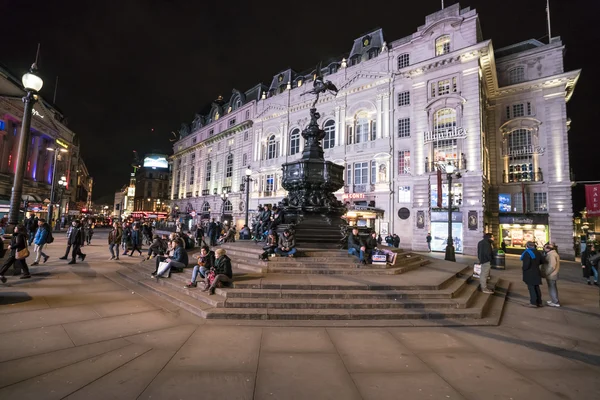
pixel 566 79
pixel 222 135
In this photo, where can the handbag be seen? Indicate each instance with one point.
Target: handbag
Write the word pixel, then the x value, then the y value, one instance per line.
pixel 476 270
pixel 22 254
pixel 162 267
pixel 211 277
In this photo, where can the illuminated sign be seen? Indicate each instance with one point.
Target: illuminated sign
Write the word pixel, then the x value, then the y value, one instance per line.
pixel 443 134
pixel 131 191
pixel 353 196
pixel 156 161
pixel 525 150
pixel 62 144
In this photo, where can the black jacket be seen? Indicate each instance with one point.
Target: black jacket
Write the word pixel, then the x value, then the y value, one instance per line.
pixel 223 266
pixel 485 253
pixel 354 242
pixel 17 243
pixel 531 268
pixel 371 243
pixel 76 236
pixel 586 263
pixel 208 259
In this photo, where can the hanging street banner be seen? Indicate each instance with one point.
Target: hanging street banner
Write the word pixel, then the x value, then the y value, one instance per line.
pixel 592 200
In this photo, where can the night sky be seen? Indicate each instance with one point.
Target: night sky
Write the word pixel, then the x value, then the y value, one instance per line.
pixel 130 72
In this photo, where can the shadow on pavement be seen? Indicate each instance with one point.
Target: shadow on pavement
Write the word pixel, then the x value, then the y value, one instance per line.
pixel 14 298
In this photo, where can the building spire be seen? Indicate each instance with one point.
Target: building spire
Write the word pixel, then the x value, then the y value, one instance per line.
pixel 442 4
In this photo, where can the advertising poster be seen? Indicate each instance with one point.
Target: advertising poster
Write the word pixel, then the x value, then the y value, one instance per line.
pixel 439 235
pixel 504 202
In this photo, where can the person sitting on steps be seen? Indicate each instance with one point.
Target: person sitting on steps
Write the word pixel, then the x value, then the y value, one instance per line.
pixel 356 246
pixel 206 260
pixel 270 247
pixel 179 260
pixel 287 244
pixel 223 274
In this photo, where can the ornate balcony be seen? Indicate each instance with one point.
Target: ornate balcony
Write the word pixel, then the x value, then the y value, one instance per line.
pixel 205 192
pixel 522 176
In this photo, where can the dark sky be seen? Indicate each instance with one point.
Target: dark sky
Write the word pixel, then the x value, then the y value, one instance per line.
pixel 127 67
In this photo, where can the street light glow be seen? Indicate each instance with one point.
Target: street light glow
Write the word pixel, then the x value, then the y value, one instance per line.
pixel 31 81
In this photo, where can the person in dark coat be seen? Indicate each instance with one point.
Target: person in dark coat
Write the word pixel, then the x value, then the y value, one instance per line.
pixel 213 233
pixel 590 271
pixel 136 240
pixel 370 246
pixel 532 258
pixel 222 270
pixel 396 240
pixel 17 243
pixel 356 247
pixel 75 241
pixel 485 254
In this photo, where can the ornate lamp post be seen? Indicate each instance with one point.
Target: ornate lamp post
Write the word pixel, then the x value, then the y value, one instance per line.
pixel 450 255
pixel 32 85
pixel 248 173
pixel 53 184
pixel 224 196
pixel 62 185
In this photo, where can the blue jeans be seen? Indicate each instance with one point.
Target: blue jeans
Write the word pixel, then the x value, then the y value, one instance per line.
pixel 353 252
pixel 114 252
pixel 199 270
pixel 595 272
pixel 285 253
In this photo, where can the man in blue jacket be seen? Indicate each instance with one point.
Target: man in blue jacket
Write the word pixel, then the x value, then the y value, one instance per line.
pixel 178 260
pixel 41 235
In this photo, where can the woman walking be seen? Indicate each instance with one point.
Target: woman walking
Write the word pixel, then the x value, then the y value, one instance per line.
pixel 551 269
pixel 18 243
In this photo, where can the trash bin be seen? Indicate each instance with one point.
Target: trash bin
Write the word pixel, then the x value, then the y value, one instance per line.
pixel 499 260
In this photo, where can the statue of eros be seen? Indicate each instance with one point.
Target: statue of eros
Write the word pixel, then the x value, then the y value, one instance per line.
pixel 320 86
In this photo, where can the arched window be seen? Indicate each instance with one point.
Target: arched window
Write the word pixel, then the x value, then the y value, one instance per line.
pixel 271 148
pixel 444 122
pixel 295 142
pixel 442 45
pixel 520 161
pixel 206 207
pixel 227 207
pixel 329 139
pixel 229 166
pixel 516 75
pixel 208 170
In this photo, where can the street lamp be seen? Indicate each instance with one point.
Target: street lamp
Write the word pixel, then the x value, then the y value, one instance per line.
pixel 53 184
pixel 32 85
pixel 450 255
pixel 224 196
pixel 62 185
pixel 248 173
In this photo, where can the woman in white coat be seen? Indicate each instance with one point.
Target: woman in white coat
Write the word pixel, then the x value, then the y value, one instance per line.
pixel 551 268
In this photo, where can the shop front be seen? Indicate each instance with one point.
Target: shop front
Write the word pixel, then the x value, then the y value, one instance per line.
pixel 518 229
pixel 362 213
pixel 439 230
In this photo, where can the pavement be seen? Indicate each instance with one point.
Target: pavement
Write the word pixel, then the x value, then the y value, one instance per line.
pixel 82 332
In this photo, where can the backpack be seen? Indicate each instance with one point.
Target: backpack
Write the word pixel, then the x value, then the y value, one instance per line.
pixel 49 238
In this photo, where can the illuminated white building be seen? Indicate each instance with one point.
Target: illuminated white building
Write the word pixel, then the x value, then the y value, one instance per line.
pixel 405 109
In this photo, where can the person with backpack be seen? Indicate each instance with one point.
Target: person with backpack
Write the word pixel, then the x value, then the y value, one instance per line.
pixel 17 244
pixel 42 235
pixel 114 240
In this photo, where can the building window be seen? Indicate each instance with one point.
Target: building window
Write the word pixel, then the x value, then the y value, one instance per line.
pixel 208 170
pixel 355 60
pixel 269 183
pixel 229 166
pixel 443 87
pixel 518 110
pixel 373 53
pixel 516 75
pixel 404 127
pixel 517 202
pixel 444 120
pixel 373 172
pixel 248 114
pixel 211 132
pixel 520 167
pixel 194 140
pixel 271 148
pixel 404 194
pixel 218 167
pixel 232 122
pixel 404 162
pixel 245 136
pixel 245 159
pixel 442 45
pixel 362 130
pixel 540 202
pixel 192 174
pixel 295 142
pixel 404 98
pixel 329 139
pixel 403 60
pixel 361 173
pixel 349 174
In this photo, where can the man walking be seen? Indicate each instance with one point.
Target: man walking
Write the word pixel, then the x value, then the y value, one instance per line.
pixel 428 238
pixel 212 232
pixel 75 241
pixel 485 255
pixel 32 226
pixel 114 240
pixel 40 240
pixel 531 274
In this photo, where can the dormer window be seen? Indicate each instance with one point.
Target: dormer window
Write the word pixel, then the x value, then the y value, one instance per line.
pixel 355 60
pixel 373 53
pixel 299 82
pixel 442 45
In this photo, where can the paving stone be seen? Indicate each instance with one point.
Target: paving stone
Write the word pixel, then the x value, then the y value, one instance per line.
pixel 127 381
pixel 96 288
pixel 16 302
pixel 166 339
pixel 431 339
pixel 480 377
pixel 33 341
pixel 373 350
pixel 573 385
pixel 303 376
pixel 296 340
pixel 46 317
pixel 413 386
pixel 64 381
pixel 24 368
pixel 123 325
pixel 112 308
pixel 219 348
pixel 85 298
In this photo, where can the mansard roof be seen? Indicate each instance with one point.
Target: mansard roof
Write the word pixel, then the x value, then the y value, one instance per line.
pixel 518 48
pixel 367 42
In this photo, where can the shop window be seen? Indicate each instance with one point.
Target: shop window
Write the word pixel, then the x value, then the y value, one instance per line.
pixel 404 98
pixel 404 194
pixel 403 60
pixel 540 202
pixel 361 173
pixel 295 142
pixel 442 45
pixel 404 127
pixel 329 139
pixel 404 162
